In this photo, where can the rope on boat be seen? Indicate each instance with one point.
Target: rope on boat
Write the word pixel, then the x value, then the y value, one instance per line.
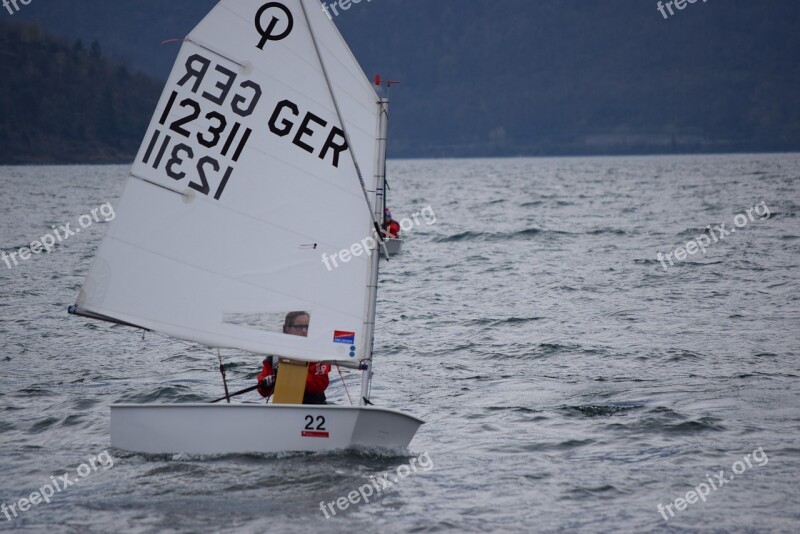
pixel 224 380
pixel 344 384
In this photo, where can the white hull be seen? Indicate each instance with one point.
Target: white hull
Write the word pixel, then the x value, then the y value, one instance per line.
pixel 394 246
pixel 240 428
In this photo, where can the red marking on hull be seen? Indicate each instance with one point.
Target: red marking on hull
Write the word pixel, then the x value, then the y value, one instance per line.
pixel 314 434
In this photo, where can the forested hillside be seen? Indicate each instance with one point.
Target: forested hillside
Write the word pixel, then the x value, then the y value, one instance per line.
pixel 65 103
pixel 524 77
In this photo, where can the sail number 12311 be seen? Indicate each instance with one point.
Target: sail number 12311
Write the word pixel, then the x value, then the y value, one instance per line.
pixel 176 157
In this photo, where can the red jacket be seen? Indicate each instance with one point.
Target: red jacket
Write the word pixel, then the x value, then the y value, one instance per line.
pixel 392 229
pixel 316 382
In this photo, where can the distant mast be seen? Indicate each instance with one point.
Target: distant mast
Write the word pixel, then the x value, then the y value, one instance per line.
pixel 385 188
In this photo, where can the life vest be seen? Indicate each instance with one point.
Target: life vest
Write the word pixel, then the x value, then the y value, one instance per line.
pixel 316 382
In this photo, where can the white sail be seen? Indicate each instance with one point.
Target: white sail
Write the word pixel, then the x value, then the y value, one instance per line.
pixel 243 181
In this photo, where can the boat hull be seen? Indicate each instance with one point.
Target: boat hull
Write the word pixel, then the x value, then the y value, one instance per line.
pixel 394 246
pixel 242 428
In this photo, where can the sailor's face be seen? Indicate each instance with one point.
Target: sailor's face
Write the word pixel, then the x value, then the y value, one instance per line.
pixel 299 327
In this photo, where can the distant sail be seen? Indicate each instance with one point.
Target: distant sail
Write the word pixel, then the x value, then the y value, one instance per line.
pixel 244 179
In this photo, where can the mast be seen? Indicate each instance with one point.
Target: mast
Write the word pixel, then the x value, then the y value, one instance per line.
pixel 372 299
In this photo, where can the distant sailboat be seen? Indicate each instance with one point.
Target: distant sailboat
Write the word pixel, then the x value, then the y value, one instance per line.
pixel 250 170
pixel 393 245
pixel 391 240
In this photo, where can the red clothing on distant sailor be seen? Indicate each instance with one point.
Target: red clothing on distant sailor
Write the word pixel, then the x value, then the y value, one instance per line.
pixel 392 229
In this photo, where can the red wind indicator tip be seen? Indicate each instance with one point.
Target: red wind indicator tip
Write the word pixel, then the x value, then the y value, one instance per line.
pixel 377 79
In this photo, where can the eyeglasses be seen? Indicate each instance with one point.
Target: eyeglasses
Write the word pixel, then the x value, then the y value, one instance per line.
pixel 299 326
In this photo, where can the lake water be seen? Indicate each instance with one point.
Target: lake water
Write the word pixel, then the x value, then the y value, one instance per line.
pixel 568 380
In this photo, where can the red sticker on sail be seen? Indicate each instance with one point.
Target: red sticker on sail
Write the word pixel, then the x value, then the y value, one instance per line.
pixel 347 338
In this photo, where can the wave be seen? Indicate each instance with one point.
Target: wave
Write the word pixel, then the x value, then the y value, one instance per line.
pixel 517 351
pixel 606 231
pixel 527 233
pixel 600 410
pixel 664 420
pixel 163 393
pixel 501 322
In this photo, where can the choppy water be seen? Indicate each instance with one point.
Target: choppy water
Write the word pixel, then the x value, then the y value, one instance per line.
pixel 569 382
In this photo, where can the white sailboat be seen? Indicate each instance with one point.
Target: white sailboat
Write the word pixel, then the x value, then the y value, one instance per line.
pixel 266 151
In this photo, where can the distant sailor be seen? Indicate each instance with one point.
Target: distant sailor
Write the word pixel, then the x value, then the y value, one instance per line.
pixel 296 324
pixel 390 227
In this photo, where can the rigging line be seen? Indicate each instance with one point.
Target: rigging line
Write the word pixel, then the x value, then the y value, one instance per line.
pixel 339 115
pixel 224 381
pixel 344 383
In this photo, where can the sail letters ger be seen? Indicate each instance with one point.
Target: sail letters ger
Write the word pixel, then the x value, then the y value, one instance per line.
pixel 244 179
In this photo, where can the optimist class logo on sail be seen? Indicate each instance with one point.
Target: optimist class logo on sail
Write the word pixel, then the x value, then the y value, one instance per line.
pixel 267 34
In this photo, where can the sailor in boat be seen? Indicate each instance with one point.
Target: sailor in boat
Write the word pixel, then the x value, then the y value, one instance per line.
pixel 296 324
pixel 391 228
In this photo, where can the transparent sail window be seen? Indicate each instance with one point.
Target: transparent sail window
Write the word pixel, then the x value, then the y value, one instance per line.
pixel 294 323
